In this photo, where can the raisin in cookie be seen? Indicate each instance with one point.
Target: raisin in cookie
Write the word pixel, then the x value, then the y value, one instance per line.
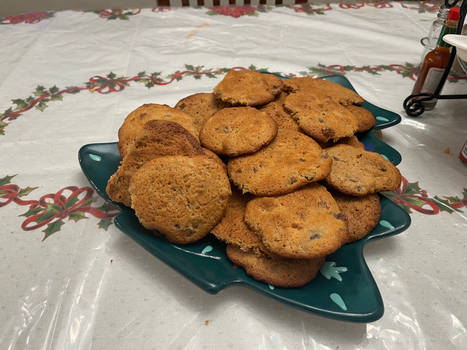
pixel 320 117
pixel 289 162
pixel 238 130
pixel 248 88
pixel 358 172
pixel 361 213
pixel 304 224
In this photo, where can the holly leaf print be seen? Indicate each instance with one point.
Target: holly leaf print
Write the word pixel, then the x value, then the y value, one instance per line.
pixel 6 180
pixel 412 188
pixel 41 106
pixel 106 207
pixel 77 215
pixel 20 103
pixel 2 127
pixel 52 228
pixel 415 201
pixel 40 90
pixel 25 191
pixel 32 211
pixel 53 90
pixel 70 202
pixel 445 204
pixel 104 223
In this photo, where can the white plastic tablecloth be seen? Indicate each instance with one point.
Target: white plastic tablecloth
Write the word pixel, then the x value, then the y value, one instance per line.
pixel 71 280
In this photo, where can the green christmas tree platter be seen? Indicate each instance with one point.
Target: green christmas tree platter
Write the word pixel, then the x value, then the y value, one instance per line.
pixel 344 289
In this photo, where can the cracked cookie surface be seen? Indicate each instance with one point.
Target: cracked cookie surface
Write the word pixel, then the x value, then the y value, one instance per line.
pixel 304 224
pixel 181 197
pixel 248 88
pixel 358 172
pixel 289 162
pixel 238 130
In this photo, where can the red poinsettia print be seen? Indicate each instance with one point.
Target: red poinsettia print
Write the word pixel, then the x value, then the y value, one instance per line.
pixel 50 210
pixel 233 11
pixel 310 10
pixel 116 13
pixel 33 17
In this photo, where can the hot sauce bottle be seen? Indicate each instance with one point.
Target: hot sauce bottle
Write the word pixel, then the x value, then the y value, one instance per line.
pixel 436 61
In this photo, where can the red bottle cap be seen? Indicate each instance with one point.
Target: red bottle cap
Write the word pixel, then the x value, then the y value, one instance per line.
pixel 453 14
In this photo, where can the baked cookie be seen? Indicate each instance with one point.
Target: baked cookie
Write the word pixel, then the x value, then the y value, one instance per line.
pixel 289 162
pixel 304 224
pixel 365 119
pixel 276 111
pixel 238 130
pixel 324 87
pixel 181 197
pixel 248 88
pixel 232 229
pixel 135 121
pixel 286 273
pixel 200 107
pixel 361 213
pixel 320 117
pixel 358 172
pixel 212 155
pixel 157 138
pixel 351 141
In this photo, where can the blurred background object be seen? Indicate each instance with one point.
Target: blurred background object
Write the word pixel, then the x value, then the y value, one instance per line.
pixel 15 7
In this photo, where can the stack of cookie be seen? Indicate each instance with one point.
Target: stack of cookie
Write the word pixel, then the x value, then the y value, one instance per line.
pixel 303 185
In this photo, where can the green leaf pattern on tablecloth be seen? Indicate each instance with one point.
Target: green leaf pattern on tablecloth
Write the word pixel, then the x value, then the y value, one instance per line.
pixel 110 83
pixel 411 197
pixel 51 209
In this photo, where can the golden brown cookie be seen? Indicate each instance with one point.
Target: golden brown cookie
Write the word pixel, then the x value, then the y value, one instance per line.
pixel 289 162
pixel 286 273
pixel 200 107
pixel 181 197
pixel 365 118
pixel 157 138
pixel 358 172
pixel 351 141
pixel 304 224
pixel 238 130
pixel 135 121
pixel 320 117
pixel 248 88
pixel 212 155
pixel 276 111
pixel 232 229
pixel 361 213
pixel 324 87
